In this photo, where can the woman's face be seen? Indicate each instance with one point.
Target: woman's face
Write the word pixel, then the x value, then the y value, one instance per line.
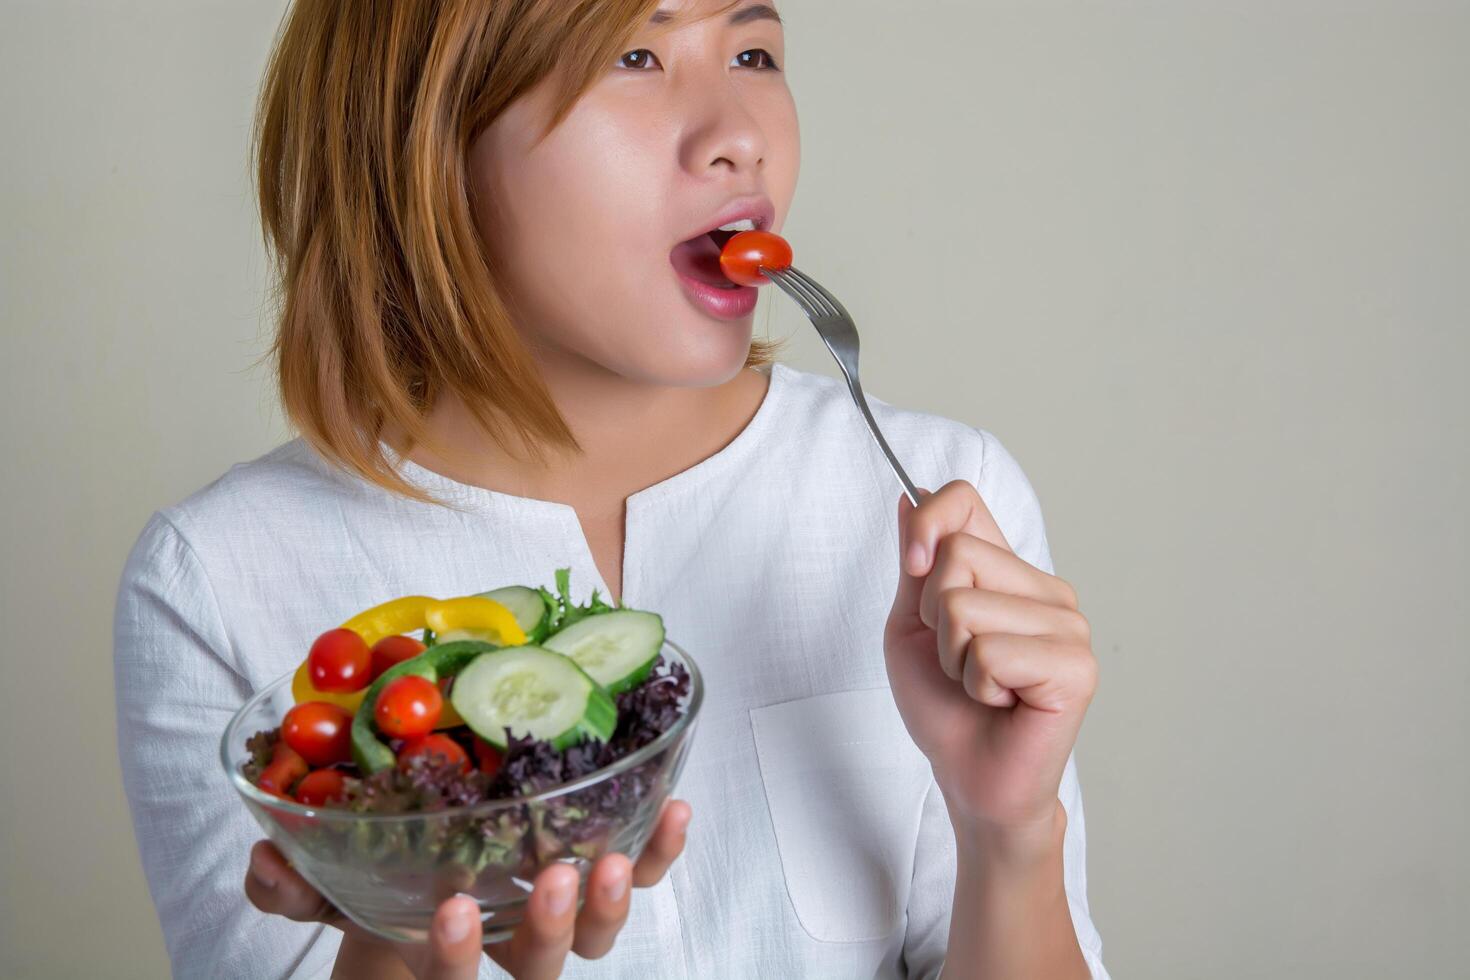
pixel 598 232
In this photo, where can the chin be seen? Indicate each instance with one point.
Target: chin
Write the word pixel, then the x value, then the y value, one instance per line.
pixel 699 358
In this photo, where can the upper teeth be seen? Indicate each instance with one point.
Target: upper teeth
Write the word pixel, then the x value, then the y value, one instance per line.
pixel 744 224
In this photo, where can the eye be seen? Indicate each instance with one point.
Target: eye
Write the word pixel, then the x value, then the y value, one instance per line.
pixel 638 60
pixel 757 58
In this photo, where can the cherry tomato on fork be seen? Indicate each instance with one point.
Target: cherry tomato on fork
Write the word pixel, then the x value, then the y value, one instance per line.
pixel 746 253
pixel 320 732
pixel 340 661
pixel 408 707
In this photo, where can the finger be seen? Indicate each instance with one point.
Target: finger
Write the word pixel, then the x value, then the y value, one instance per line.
pixel 1045 673
pixel 606 907
pixel 964 614
pixel 275 888
pixel 905 609
pixel 955 507
pixel 665 845
pixel 965 561
pixel 540 944
pixel 454 941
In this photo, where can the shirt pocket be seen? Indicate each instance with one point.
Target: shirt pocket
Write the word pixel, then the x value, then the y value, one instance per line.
pixel 845 786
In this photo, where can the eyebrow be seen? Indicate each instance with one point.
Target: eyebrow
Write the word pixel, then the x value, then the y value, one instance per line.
pixel 744 15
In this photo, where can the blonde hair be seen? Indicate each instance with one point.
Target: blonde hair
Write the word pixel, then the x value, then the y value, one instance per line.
pixel 387 297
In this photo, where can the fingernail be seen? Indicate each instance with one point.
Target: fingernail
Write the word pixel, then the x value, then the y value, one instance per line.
pixel 615 889
pixel 262 874
pixel 458 925
pixel 917 558
pixel 559 900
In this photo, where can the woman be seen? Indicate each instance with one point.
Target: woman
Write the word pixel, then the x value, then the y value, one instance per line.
pixel 508 348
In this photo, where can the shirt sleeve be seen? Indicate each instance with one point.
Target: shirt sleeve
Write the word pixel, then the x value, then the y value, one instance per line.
pixel 177 686
pixel 1009 495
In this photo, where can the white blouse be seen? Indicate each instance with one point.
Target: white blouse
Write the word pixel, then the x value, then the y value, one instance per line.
pixel 820 846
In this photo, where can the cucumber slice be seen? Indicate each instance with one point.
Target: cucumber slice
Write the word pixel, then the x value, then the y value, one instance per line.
pixel 617 649
pixel 530 613
pixel 527 606
pixel 532 691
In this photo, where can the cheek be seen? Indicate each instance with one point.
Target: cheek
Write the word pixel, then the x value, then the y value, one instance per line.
pixel 784 164
pixel 581 233
pixel 580 272
pixel 577 224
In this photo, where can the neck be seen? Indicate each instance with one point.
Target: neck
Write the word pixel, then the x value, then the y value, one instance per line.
pixel 632 434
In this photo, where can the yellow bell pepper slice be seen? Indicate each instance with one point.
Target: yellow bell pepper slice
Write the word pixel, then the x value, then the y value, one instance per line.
pixel 391 618
pixel 386 619
pixel 448 717
pixel 482 616
pixel 302 690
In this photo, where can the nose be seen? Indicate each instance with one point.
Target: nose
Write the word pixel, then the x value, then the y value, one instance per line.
pixel 724 133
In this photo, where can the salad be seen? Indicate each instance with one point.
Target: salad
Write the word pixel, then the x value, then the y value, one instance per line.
pixel 423 705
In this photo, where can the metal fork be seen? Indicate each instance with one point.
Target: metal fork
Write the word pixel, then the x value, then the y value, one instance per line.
pixel 834 325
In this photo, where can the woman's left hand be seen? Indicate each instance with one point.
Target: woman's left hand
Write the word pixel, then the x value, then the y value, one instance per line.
pixel 990 663
pixel 553 926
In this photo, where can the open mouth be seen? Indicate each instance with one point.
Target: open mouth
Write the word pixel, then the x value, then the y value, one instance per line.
pixel 699 258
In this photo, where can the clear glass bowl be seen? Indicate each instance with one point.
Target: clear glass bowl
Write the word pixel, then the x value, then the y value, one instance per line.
pixel 388 872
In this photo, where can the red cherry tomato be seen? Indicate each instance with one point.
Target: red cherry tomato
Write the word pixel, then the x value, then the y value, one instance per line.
pixel 321 732
pixel 321 787
pixel 285 768
pixel 442 749
pixel 340 661
pixel 408 707
pixel 488 756
pixel 392 650
pixel 276 782
pixel 746 253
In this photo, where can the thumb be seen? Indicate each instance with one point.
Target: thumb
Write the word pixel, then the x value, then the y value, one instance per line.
pixel 454 941
pixel 910 587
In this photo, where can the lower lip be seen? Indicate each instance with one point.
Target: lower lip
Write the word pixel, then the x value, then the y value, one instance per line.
pixel 723 304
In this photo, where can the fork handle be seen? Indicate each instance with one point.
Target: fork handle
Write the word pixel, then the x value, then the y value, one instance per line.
pixel 862 403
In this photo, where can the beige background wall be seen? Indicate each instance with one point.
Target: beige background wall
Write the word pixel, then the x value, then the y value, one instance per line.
pixel 1205 267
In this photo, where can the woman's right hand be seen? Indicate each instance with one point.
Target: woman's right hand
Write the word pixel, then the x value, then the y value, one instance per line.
pixel 553 925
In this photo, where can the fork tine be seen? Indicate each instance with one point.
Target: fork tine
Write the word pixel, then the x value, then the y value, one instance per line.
pixel 814 303
pixel 780 279
pixel 821 291
pixel 802 283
